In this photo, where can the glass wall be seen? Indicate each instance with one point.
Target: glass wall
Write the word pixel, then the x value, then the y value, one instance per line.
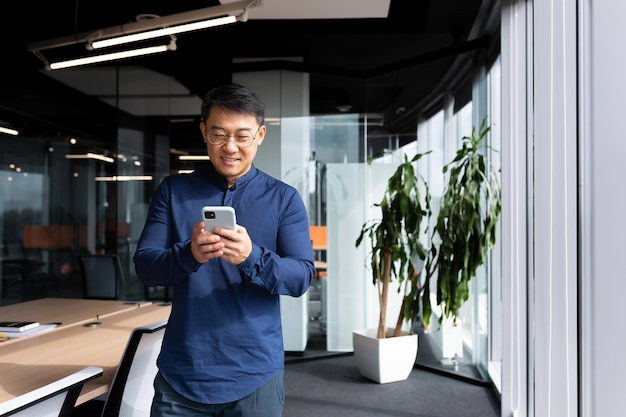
pixel 69 192
pixel 47 213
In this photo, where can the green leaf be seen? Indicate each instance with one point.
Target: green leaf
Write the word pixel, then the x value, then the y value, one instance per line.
pixel 404 214
pixel 466 223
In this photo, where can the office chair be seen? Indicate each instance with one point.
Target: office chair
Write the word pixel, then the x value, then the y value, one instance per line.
pixel 159 292
pixel 18 268
pixel 100 276
pixel 132 390
pixel 56 399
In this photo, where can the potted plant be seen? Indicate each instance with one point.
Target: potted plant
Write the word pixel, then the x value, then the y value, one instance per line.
pixel 396 251
pixel 465 228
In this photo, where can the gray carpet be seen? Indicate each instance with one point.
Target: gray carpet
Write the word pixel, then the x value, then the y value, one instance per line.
pixel 333 387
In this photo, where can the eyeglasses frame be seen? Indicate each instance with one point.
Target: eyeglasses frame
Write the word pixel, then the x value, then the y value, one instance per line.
pixel 208 134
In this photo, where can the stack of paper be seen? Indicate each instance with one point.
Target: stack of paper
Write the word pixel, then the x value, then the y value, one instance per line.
pixel 39 329
pixel 11 329
pixel 17 326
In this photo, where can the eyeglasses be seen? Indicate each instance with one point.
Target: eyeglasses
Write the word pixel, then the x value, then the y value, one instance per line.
pixel 242 138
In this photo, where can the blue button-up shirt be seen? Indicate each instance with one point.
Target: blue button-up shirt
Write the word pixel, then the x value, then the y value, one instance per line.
pixel 224 337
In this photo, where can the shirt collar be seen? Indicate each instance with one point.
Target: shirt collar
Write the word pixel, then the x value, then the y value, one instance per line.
pixel 221 180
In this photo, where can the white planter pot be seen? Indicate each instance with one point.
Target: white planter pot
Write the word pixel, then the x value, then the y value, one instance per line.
pixel 384 360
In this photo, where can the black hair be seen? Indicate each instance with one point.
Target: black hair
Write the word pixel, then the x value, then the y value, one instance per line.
pixel 234 97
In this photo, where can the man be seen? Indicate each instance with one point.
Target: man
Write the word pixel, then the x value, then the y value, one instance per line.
pixel 222 354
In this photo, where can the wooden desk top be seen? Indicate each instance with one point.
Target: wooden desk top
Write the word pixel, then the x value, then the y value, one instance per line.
pixel 39 360
pixel 68 311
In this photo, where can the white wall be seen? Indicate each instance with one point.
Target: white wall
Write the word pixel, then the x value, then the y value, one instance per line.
pixel 284 154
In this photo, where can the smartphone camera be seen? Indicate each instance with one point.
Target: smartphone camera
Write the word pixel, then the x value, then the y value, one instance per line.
pixel 209 214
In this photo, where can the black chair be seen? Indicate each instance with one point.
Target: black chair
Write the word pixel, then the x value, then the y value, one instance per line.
pixel 102 277
pixel 161 293
pixel 56 399
pixel 131 389
pixel 19 269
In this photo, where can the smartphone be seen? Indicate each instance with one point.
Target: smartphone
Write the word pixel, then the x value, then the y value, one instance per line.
pixel 218 216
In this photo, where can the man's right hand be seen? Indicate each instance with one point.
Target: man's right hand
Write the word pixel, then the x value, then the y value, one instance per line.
pixel 205 245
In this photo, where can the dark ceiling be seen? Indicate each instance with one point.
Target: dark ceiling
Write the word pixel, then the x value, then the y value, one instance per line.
pixel 375 65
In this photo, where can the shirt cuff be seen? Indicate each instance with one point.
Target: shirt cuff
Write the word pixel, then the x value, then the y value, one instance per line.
pixel 191 261
pixel 251 265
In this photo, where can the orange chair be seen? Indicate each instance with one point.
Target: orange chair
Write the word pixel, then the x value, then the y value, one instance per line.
pixel 318 241
pixel 318 237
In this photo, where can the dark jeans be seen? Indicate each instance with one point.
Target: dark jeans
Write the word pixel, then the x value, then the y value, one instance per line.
pixel 267 401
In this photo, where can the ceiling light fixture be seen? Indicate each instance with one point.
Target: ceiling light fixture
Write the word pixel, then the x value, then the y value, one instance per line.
pixel 112 56
pixel 194 158
pixel 145 29
pixel 136 37
pixel 126 178
pixel 9 131
pixel 90 155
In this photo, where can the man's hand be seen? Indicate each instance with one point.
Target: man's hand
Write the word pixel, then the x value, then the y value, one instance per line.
pixel 233 246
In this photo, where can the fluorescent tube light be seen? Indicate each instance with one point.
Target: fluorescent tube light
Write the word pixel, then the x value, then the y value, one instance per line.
pixel 9 131
pixel 135 37
pixel 90 155
pixel 126 178
pixel 193 158
pixel 111 57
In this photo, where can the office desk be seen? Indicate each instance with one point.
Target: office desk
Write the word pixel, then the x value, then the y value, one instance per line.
pixel 38 360
pixel 68 311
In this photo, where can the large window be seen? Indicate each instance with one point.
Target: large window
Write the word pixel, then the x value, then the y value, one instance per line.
pixel 493 319
pixel 441 133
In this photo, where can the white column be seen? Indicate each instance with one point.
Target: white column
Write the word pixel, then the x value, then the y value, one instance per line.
pixel 539 76
pixel 516 99
pixel 285 155
pixel 603 204
pixel 554 282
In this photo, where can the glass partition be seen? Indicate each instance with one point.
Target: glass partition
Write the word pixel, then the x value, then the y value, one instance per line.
pixel 71 192
pixel 352 190
pixel 52 206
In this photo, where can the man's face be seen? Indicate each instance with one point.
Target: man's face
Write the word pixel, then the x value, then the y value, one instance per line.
pixel 232 159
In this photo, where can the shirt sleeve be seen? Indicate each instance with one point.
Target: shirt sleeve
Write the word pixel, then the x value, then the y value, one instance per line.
pixel 159 259
pixel 289 269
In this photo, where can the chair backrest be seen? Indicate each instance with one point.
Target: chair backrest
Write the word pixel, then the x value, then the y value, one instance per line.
pixel 318 237
pixel 132 390
pixel 14 249
pixel 56 399
pixel 100 276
